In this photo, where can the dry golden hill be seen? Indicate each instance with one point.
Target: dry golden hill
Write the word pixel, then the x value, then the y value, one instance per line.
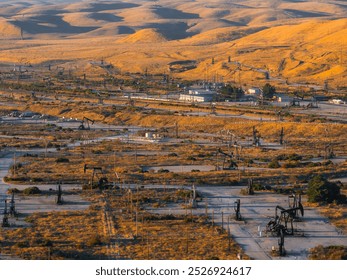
pixel 148 35
pixel 8 30
pixel 302 41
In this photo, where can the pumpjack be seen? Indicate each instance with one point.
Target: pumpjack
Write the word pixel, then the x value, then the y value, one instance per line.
pixel 59 199
pixel 329 151
pixel 281 220
pixel 237 205
pixel 228 162
pixel 98 174
pixel 5 222
pixel 85 123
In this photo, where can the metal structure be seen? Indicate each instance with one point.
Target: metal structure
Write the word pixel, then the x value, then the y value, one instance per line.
pixel 59 199
pixel 294 103
pixel 329 151
pixel 250 190
pixel 12 211
pixel 85 123
pixel 284 221
pixel 237 205
pixel 98 179
pixel 281 249
pixel 228 162
pixel 5 222
pixel 256 137
pixel 192 201
pixel 282 136
pixel 294 201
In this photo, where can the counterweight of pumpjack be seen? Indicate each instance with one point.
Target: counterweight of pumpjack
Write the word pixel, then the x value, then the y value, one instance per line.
pixel 208 271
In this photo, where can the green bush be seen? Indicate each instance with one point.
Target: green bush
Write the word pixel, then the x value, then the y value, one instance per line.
pixel 31 191
pixel 274 164
pixel 59 160
pixel 321 190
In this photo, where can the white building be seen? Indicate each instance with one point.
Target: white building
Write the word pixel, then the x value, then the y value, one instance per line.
pixel 254 91
pixel 198 95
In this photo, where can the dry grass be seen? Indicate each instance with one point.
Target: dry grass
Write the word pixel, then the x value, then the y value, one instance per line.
pixel 328 253
pixel 82 235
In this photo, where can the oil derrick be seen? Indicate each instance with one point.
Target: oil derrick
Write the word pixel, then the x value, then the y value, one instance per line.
pixel 59 199
pixel 13 211
pixel 250 190
pixel 228 162
pixel 237 205
pixel 5 222
pixel 256 137
pixel 192 201
pixel 85 123
pixel 282 136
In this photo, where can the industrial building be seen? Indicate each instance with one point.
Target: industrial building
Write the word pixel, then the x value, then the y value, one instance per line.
pixel 198 95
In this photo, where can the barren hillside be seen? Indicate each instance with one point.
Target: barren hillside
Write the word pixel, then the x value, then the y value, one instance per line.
pixel 295 40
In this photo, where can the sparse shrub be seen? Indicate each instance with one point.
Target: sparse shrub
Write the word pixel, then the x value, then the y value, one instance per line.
pixel 328 253
pixel 61 160
pixel 31 191
pixel 172 155
pixel 94 241
pixel 292 164
pixel 162 170
pixel 274 164
pixel 13 190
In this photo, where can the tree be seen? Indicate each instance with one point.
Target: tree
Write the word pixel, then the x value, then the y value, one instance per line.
pixel 231 92
pixel 268 90
pixel 321 190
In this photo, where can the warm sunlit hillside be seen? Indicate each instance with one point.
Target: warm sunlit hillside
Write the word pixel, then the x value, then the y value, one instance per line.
pixel 296 41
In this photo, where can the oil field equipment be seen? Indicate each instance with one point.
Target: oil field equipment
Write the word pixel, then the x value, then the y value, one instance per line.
pixel 228 162
pixel 85 123
pixel 250 190
pixel 59 199
pixel 98 180
pixel 192 201
pixel 282 136
pixel 283 220
pixel 281 249
pixel 12 211
pixel 294 202
pixel 329 151
pixel 5 222
pixel 237 205
pixel 256 137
